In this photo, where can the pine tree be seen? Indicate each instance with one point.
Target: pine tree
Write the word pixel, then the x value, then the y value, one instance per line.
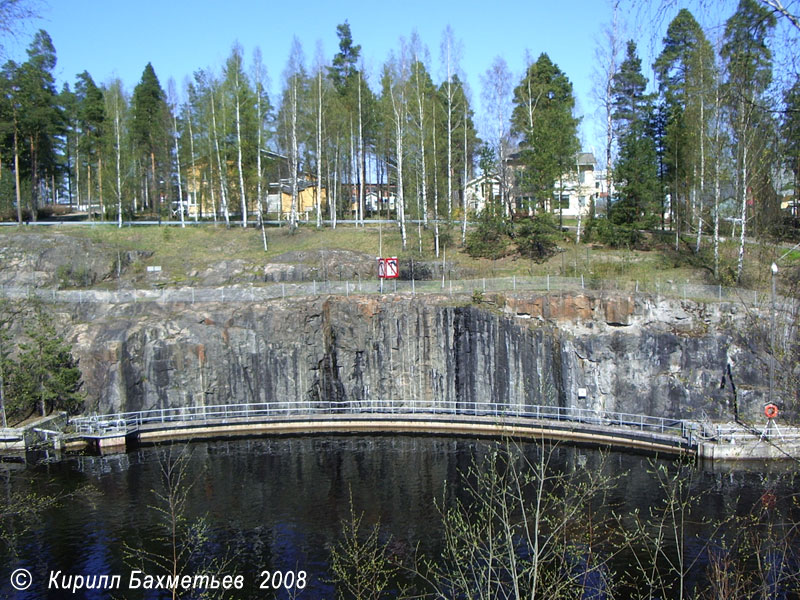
pixel 685 72
pixel 636 172
pixel 543 120
pixel 91 123
pixel 37 117
pixel 150 130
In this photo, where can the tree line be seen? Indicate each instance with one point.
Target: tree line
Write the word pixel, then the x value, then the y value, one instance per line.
pixel 713 137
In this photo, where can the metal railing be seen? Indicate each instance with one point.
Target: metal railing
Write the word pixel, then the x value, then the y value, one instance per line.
pixel 737 434
pixel 270 291
pixel 123 422
pixel 11 433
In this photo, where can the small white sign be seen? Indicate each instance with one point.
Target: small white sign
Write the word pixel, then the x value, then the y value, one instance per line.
pixel 581 392
pixel 154 269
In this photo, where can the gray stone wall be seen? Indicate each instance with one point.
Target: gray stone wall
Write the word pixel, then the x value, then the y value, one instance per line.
pixel 663 358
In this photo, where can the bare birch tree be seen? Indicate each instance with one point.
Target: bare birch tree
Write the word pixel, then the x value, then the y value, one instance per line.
pixel 496 96
pixel 260 82
pixel 172 96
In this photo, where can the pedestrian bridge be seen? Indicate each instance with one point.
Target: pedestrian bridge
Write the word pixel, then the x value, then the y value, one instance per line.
pixel 476 419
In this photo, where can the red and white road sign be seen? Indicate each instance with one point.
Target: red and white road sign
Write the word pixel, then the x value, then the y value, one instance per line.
pixel 388 268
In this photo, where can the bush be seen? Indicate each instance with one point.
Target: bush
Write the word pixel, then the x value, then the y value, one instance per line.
pixel 537 237
pixel 613 235
pixel 411 269
pixel 491 239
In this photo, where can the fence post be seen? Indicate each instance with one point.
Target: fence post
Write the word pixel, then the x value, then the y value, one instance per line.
pixel 413 287
pixel 514 282
pixel 582 286
pixel 548 282
pixel 314 284
pixel 283 290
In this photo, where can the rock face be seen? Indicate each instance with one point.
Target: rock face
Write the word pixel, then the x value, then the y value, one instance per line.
pixel 615 353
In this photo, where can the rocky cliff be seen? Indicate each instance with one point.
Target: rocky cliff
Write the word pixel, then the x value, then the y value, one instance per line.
pixel 616 353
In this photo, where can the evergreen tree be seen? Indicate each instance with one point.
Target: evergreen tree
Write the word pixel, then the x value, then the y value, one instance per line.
pixel 91 119
pixel 46 376
pixel 685 72
pixel 542 119
pixel 37 116
pixel 636 172
pixel 150 131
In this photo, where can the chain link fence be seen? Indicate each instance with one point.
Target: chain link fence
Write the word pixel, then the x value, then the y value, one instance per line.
pixel 450 287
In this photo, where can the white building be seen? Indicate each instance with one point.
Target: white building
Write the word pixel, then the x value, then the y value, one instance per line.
pixel 576 189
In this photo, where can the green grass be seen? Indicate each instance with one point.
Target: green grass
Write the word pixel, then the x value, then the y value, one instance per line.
pixel 180 252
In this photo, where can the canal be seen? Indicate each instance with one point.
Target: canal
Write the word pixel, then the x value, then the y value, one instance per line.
pixel 269 514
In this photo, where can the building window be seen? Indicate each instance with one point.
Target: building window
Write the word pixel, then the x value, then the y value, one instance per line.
pixel 563 204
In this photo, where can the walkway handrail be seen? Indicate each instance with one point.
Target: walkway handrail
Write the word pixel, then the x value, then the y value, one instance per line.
pixel 127 421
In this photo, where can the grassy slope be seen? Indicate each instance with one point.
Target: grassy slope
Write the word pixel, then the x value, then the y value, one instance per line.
pixel 181 251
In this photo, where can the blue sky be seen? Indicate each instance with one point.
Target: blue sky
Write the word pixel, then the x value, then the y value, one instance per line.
pixel 117 38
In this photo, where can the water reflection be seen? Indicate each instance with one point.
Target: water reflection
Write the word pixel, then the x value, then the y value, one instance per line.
pixel 278 503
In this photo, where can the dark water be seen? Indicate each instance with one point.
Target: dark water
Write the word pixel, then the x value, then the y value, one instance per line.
pixel 279 504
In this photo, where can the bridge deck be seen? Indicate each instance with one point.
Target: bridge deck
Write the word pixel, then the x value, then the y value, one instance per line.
pixel 474 419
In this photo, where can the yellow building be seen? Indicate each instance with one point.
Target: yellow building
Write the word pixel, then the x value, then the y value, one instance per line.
pixel 306 199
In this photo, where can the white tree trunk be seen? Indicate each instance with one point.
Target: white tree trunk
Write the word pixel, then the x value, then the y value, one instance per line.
pixel 178 165
pixel 319 148
pixel 259 142
pixel 360 156
pixel 740 263
pixel 191 155
pixel 223 196
pixel 464 185
pixel 421 110
pixel 435 189
pixel 293 162
pixel 243 195
pixel 118 153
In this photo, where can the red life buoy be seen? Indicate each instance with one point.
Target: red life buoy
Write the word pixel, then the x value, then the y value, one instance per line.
pixel 771 411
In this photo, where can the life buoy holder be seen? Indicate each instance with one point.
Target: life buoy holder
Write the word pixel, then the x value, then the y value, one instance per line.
pixel 771 411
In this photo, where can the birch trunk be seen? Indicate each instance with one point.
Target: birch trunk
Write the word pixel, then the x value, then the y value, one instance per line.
pixel 178 165
pixel 464 185
pixel 702 159
pixel 118 158
pixel 222 196
pixel 259 174
pixel 399 109
pixel 319 148
pixel 16 172
pixel 100 203
pixel 242 192
pixel 195 189
pixel 435 191
pixel 293 210
pixel 360 156
pixel 716 209
pixel 740 263
pixel 421 111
